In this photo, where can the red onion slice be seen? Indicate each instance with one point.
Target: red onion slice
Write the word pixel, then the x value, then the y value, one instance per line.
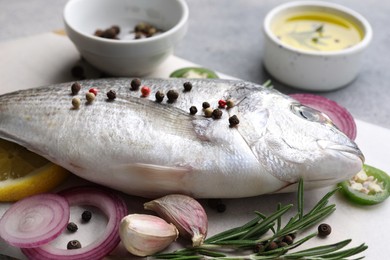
pixel 338 114
pixel 35 220
pixel 113 206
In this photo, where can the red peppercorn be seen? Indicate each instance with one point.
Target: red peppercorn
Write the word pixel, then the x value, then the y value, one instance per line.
pixel 145 91
pixel 221 103
pixel 94 91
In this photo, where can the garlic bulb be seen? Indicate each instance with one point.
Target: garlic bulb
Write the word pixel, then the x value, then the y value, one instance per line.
pixel 185 213
pixel 144 235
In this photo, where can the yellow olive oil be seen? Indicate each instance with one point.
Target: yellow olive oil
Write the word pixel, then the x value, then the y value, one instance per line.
pixel 317 31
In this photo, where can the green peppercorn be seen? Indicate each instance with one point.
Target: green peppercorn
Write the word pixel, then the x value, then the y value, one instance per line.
pixel 193 110
pixel 187 86
pixel 229 103
pixel 86 215
pixel 76 103
pixel 288 239
pixel 233 121
pixel 135 84
pixel 205 105
pixel 75 88
pixel 324 230
pixel 111 95
pixel 271 246
pixel 208 112
pixel 159 96
pixel 73 244
pixel 217 113
pixel 72 227
pixel 90 97
pixel 172 95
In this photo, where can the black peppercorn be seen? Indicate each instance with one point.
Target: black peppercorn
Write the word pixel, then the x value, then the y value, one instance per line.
pixel 193 110
pixel 72 227
pixel 217 205
pixel 221 208
pixel 282 244
pixel 217 113
pixel 288 239
pixel 159 96
pixel 259 248
pixel 109 33
pixel 187 86
pixel 116 28
pixel 77 71
pixel 75 88
pixel 99 33
pixel 135 84
pixel 205 105
pixel 73 244
pixel 111 95
pixel 86 216
pixel 172 95
pixel 324 230
pixel 233 121
pixel 271 246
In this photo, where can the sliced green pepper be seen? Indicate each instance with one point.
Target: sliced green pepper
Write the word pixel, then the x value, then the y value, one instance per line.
pixel 372 191
pixel 194 72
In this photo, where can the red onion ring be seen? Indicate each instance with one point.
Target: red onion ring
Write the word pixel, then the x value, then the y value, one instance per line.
pixel 338 114
pixel 113 206
pixel 35 221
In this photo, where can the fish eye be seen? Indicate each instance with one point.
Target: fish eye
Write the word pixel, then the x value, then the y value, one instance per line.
pixel 309 113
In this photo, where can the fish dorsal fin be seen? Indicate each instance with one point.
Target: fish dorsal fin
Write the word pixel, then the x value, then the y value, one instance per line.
pixel 151 180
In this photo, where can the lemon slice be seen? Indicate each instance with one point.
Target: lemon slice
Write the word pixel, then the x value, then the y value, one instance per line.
pixel 24 173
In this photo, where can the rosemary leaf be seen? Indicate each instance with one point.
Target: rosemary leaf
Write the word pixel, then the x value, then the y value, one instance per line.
pixel 322 202
pixel 279 222
pixel 319 250
pixel 345 253
pixel 300 199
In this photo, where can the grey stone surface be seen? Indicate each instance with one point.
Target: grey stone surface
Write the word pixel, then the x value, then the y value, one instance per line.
pixel 226 35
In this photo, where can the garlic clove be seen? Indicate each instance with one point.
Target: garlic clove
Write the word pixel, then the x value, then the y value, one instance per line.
pixel 185 213
pixel 144 235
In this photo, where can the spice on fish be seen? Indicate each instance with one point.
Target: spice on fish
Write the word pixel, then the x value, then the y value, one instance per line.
pixel 193 110
pixel 159 96
pixel 73 244
pixel 187 86
pixel 111 95
pixel 217 113
pixel 75 88
pixel 76 103
pixel 205 105
pixel 229 103
pixel 172 95
pixel 94 91
pixel 90 97
pixel 145 91
pixel 221 103
pixel 135 84
pixel 233 121
pixel 208 112
pixel 72 227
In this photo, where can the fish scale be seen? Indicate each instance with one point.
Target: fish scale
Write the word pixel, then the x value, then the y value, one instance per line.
pixel 141 147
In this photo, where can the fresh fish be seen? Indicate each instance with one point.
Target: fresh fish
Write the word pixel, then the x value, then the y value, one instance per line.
pixel 142 147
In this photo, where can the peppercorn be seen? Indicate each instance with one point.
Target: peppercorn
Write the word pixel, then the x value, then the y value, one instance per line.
pixel 205 105
pixel 76 102
pixel 193 110
pixel 282 244
pixel 99 33
pixel 208 112
pixel 221 208
pixel 221 103
pixel 324 230
pixel 145 91
pixel 111 95
pixel 159 96
pixel 229 103
pixel 292 235
pixel 271 246
pixel 109 33
pixel 75 88
pixel 77 72
pixel 73 244
pixel 86 215
pixel 259 248
pixel 288 239
pixel 135 84
pixel 90 97
pixel 233 121
pixel 172 95
pixel 116 28
pixel 187 86
pixel 137 35
pixel 151 32
pixel 217 113
pixel 94 91
pixel 140 27
pixel 72 227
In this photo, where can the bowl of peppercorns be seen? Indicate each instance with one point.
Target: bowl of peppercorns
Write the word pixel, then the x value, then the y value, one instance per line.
pixel 125 37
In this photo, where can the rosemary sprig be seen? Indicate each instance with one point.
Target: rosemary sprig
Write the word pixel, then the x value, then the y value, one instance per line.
pixel 253 238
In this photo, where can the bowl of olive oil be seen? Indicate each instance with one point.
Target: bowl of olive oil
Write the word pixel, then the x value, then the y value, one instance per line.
pixel 315 45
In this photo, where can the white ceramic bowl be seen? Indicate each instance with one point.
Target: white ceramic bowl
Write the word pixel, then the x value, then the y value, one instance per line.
pixel 126 57
pixel 313 70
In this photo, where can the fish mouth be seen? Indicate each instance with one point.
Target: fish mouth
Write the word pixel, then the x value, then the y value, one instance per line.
pixel 350 151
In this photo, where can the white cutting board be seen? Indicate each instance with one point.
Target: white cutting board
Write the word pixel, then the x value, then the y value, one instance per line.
pixel 48 58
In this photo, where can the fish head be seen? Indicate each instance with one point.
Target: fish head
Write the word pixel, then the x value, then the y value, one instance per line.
pixel 293 141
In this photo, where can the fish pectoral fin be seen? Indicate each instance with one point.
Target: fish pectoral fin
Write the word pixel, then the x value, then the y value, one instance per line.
pixel 150 180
